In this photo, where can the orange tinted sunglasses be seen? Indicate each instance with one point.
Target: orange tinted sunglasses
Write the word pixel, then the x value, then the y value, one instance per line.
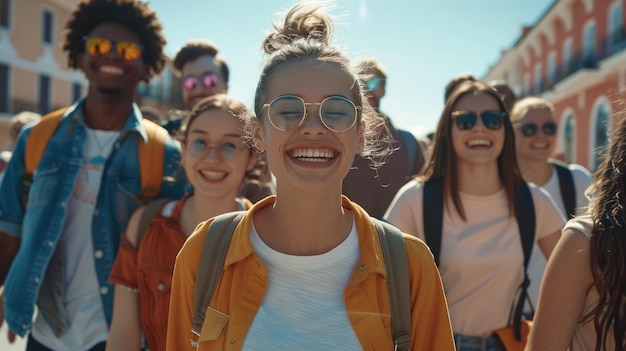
pixel 97 46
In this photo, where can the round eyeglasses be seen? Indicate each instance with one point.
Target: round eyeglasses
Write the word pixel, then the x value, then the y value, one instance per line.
pixel 288 112
pixel 226 150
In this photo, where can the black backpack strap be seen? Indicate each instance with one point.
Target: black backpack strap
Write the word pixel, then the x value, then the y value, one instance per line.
pixel 433 216
pixel 211 264
pixel 567 188
pixel 149 213
pixel 525 215
pixel 398 282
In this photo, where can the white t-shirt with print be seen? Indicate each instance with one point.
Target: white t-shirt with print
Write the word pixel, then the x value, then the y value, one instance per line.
pixel 87 323
pixel 481 259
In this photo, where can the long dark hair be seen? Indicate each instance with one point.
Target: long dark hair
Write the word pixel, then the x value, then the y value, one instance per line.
pixel 442 164
pixel 608 243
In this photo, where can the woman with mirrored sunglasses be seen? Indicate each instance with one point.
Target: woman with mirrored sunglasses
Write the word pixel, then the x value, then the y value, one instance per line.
pixel 216 160
pixel 480 255
pixel 536 138
pixel 304 269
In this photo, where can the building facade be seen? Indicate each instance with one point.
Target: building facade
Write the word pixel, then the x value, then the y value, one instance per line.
pixel 575 57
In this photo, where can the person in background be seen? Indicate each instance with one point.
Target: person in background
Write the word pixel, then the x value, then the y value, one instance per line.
pixel 59 247
pixel 455 82
pixel 583 296
pixel 304 270
pixel 373 189
pixel 16 123
pixel 481 256
pixel 151 113
pixel 535 138
pixel 215 160
pixel 508 95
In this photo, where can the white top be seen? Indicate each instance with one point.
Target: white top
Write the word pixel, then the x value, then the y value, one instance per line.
pixel 87 323
pixel 537 264
pixel 481 260
pixel 304 306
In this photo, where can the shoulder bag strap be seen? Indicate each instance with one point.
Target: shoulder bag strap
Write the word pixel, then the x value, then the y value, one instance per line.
pixel 433 216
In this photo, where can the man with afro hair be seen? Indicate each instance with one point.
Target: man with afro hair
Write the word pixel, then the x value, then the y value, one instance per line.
pixel 56 251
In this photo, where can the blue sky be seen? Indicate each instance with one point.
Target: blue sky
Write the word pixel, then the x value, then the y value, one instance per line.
pixel 422 44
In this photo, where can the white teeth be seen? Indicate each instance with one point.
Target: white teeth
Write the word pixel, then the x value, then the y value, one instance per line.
pixel 111 70
pixel 478 142
pixel 313 155
pixel 212 175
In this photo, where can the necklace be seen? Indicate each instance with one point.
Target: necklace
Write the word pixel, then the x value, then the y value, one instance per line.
pixel 103 146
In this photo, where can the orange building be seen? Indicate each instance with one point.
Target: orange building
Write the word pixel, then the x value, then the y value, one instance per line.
pixel 574 56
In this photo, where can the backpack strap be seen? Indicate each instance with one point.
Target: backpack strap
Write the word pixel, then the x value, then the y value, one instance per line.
pixel 149 213
pixel 433 216
pixel 216 243
pixel 151 156
pixel 398 282
pixel 413 149
pixel 567 188
pixel 525 215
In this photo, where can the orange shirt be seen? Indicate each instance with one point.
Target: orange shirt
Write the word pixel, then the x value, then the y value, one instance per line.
pixel 150 270
pixel 242 285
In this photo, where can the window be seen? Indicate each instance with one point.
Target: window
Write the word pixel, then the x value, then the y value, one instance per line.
pixel 567 57
pixel 4 88
pixel 538 81
pixel 5 7
pixel 589 45
pixel 615 23
pixel 77 91
pixel 552 68
pixel 43 104
pixel 568 138
pixel 46 23
pixel 601 133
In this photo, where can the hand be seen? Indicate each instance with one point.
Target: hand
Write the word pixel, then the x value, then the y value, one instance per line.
pixel 11 335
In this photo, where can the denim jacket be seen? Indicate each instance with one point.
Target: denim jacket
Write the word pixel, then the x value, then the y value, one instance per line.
pixel 39 225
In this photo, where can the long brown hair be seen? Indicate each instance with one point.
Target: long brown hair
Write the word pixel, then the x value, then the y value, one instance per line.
pixel 442 165
pixel 608 243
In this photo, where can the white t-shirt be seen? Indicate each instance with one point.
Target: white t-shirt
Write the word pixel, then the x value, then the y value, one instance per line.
pixel 537 264
pixel 304 306
pixel 481 260
pixel 87 323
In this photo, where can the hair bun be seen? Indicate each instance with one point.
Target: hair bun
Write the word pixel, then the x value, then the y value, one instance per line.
pixel 303 21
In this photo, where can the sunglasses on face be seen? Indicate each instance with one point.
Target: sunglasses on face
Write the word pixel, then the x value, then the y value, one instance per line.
pixel 97 46
pixel 225 151
pixel 466 120
pixel 530 129
pixel 373 83
pixel 208 80
pixel 288 112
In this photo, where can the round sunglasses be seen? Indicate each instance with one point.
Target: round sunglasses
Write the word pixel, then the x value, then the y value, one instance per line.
pixel 98 46
pixel 225 151
pixel 530 129
pixel 288 112
pixel 466 120
pixel 207 80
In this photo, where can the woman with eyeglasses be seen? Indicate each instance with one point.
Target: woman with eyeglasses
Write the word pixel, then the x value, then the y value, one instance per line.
pixel 304 269
pixel 215 160
pixel 480 254
pixel 536 138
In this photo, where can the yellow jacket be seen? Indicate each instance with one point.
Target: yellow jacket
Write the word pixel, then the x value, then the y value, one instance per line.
pixel 233 307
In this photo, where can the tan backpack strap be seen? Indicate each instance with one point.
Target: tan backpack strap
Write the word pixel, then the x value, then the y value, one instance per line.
pixel 398 282
pixel 151 157
pixel 39 137
pixel 216 243
pixel 149 213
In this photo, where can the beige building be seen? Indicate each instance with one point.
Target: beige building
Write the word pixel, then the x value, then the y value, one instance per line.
pixel 34 74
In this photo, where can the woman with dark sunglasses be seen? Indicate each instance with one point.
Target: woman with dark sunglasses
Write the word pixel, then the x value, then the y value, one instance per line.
pixel 536 138
pixel 216 160
pixel 481 257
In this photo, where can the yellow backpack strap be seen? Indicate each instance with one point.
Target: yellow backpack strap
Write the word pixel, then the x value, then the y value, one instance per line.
pixel 151 158
pixel 39 137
